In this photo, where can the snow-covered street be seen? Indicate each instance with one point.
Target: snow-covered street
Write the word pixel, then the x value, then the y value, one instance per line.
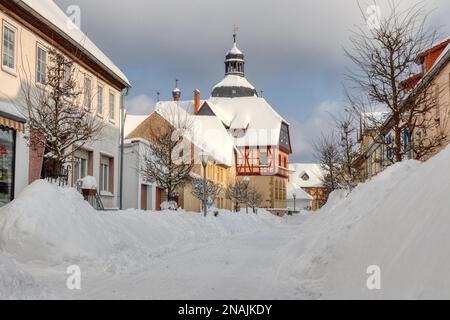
pixel 246 266
pixel 392 222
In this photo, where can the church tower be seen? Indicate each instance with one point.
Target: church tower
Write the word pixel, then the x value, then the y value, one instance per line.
pixel 234 84
pixel 234 60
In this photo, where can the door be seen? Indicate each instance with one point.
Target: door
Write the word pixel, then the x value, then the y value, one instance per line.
pixel 158 199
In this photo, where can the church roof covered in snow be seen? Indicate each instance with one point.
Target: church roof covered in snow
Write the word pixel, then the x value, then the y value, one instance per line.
pixel 252 116
pixel 207 132
pixel 232 86
pixel 48 12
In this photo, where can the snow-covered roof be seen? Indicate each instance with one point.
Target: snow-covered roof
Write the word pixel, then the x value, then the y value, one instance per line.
pixel 50 13
pixel 233 80
pixel 186 105
pixel 313 171
pixel 373 119
pixel 208 132
pixel 210 135
pixel 132 122
pixel 9 110
pixel 261 122
pixel 300 194
pixel 234 50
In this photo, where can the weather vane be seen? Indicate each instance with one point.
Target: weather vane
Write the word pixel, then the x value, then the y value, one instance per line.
pixel 235 31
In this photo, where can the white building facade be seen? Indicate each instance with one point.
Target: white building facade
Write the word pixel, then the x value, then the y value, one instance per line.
pixel 29 29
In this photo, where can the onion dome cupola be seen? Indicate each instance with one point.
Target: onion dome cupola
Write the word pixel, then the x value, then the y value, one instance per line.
pixel 234 84
pixel 234 60
pixel 176 93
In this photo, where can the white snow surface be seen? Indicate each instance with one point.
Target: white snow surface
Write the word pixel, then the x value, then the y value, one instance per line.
pixel 234 50
pixel 261 122
pixel 398 221
pixel 233 80
pixel 313 170
pixel 89 182
pixel 132 122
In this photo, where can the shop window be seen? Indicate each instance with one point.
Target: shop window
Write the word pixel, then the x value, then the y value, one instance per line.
pixel 7 156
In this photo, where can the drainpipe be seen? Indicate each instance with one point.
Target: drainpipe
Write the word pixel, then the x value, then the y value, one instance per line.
pixel 122 140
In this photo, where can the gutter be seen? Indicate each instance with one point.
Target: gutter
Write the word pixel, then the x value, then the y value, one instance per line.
pixel 124 94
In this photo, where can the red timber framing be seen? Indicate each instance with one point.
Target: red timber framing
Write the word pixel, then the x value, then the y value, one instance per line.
pixel 262 161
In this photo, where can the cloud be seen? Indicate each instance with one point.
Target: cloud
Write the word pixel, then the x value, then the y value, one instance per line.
pixel 140 105
pixel 304 133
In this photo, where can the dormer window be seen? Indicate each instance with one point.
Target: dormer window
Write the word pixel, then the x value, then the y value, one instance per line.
pixel 305 177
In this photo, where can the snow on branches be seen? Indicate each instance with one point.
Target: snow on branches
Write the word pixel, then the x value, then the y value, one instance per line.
pixel 58 120
pixel 212 190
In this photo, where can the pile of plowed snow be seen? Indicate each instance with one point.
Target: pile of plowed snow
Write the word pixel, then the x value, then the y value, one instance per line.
pixel 52 224
pixel 398 221
pixel 16 283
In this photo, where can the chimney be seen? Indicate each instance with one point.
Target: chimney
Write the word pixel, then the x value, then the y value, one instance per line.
pixel 197 101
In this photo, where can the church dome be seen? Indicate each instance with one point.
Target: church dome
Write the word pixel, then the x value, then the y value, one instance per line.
pixel 234 84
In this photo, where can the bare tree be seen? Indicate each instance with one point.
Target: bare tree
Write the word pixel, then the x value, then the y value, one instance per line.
pixel 384 57
pixel 169 159
pixel 327 154
pixel 57 120
pixel 345 126
pixel 254 198
pixel 237 193
pixel 212 190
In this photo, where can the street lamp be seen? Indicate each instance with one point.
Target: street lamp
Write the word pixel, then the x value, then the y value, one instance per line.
pixel 295 197
pixel 204 158
pixel 246 183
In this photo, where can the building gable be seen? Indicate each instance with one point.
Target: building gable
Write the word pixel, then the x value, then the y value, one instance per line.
pixel 205 110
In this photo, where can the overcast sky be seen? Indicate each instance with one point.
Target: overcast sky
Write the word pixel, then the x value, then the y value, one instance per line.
pixel 293 50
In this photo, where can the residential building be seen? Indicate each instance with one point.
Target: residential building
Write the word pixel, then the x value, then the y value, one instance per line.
pixel 30 29
pixel 307 177
pixel 376 150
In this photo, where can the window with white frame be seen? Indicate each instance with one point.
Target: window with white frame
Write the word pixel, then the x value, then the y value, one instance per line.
pixel 81 168
pixel 104 177
pixel 106 171
pixel 99 100
pixel 41 64
pixel 9 47
pixel 87 92
pixel 112 105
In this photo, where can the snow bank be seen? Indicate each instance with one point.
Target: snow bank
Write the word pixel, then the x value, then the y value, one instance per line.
pixel 54 225
pixel 399 221
pixel 16 283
